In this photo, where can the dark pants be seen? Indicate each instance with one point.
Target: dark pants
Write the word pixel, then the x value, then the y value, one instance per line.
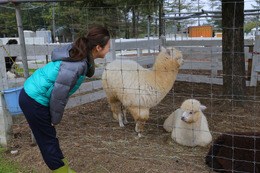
pixel 39 119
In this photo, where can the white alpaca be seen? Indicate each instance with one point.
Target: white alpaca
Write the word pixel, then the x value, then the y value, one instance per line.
pixel 189 125
pixel 10 75
pixel 128 84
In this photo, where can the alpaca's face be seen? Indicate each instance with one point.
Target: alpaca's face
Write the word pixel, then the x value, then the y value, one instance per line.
pixel 174 53
pixel 190 116
pixel 191 109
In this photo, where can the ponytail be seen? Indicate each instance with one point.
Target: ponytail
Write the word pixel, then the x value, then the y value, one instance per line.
pixel 79 50
pixel 84 45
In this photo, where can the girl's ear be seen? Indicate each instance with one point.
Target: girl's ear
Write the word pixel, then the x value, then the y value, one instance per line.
pixel 98 48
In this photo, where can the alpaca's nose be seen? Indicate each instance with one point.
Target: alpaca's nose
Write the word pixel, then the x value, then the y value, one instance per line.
pixel 184 116
pixel 180 61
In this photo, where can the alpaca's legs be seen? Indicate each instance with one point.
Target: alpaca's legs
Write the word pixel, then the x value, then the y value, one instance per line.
pixel 122 119
pixel 116 109
pixel 139 126
pixel 121 124
pixel 125 119
pixel 140 115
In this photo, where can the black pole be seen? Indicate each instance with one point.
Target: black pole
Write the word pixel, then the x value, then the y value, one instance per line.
pixel 160 19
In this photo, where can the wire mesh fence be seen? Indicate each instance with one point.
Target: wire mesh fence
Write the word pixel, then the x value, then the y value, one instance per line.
pixel 90 136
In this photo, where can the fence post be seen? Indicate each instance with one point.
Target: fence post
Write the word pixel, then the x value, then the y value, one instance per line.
pixel 6 122
pixel 255 62
pixel 214 62
pixel 22 41
pixel 163 41
pixel 139 52
pixel 47 59
pixel 113 48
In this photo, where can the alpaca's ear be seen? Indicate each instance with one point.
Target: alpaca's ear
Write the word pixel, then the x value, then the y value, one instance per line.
pixel 202 107
pixel 168 51
pixel 163 48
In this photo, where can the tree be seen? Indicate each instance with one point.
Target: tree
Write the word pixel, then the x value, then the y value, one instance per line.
pixel 135 8
pixel 254 21
pixel 257 6
pixel 179 6
pixel 234 76
pixel 8 27
pixel 73 19
pixel 215 5
pixel 249 26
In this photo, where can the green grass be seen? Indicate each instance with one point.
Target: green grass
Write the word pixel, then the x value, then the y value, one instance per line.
pixel 30 70
pixel 39 63
pixel 8 166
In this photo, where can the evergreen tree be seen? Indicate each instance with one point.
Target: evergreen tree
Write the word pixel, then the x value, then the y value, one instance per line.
pixel 8 26
pixel 215 22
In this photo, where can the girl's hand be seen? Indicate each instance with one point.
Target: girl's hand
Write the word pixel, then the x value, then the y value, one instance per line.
pixel 52 124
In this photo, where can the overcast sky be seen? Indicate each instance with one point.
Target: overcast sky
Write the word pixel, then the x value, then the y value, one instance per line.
pixel 247 3
pixel 206 3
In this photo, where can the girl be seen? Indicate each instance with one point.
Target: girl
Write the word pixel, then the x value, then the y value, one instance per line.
pixel 46 92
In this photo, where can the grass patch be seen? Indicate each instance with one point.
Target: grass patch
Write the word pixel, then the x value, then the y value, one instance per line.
pixel 39 62
pixel 6 165
pixel 30 70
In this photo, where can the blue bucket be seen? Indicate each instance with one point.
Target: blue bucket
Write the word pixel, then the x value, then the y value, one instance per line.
pixel 11 98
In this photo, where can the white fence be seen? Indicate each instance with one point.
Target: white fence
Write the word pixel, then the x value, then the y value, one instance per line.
pixel 205 55
pixel 198 55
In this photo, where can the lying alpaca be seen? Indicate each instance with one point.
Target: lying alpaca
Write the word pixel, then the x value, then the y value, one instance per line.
pixel 241 147
pixel 10 75
pixel 138 89
pixel 189 125
pixel 10 60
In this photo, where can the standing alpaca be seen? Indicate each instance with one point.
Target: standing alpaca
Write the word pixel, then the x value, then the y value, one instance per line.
pixel 138 89
pixel 189 125
pixel 235 152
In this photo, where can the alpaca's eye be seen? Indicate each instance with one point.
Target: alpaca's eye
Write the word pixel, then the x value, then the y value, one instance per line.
pixel 190 112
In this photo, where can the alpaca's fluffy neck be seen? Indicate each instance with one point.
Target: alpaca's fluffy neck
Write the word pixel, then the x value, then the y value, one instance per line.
pixel 165 71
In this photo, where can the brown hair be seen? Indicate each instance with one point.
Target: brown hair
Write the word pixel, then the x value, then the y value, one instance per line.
pixel 84 45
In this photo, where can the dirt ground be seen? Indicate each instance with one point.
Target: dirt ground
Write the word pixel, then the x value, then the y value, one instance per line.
pixel 92 140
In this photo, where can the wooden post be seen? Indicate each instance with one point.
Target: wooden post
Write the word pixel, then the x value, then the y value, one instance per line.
pixel 6 122
pixel 248 56
pixel 22 41
pixel 47 59
pixel 249 69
